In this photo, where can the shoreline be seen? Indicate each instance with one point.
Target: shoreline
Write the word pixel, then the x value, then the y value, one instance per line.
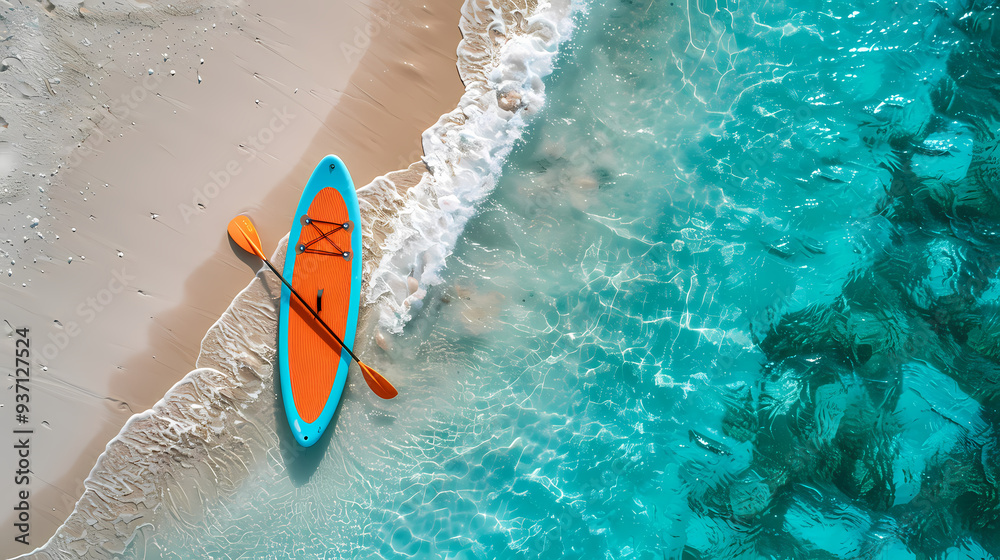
pixel 372 106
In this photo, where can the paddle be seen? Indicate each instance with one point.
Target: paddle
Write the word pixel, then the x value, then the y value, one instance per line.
pixel 244 233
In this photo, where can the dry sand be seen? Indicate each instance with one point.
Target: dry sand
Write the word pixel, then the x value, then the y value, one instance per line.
pixel 167 163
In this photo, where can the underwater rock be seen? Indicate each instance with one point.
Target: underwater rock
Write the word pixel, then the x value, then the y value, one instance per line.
pixel 823 521
pixel 967 549
pixel 749 496
pixel 831 402
pixel 945 155
pixel 942 261
pixel 934 415
pixel 903 116
pixel 713 537
pixel 946 399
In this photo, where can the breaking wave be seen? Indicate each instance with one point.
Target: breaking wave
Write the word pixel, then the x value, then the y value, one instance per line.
pixel 508 47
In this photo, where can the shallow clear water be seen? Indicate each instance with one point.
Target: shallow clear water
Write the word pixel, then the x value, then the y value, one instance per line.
pixel 734 297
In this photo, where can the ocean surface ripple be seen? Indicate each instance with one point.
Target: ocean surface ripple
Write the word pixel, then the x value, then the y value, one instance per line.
pixel 734 297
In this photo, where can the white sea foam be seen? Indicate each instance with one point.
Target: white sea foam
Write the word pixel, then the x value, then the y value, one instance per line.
pixel 506 52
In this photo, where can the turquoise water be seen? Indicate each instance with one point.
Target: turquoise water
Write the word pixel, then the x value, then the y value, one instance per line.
pixel 734 297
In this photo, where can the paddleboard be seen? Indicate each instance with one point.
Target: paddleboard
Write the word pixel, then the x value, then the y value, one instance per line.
pixel 323 265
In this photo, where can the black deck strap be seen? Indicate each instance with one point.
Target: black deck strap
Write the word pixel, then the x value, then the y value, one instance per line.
pixel 319 301
pixel 307 247
pixel 325 234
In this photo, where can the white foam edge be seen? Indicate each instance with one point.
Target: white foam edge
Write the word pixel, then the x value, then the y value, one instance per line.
pixel 465 162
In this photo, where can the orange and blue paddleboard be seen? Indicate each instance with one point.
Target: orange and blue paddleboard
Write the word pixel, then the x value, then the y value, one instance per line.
pixel 323 264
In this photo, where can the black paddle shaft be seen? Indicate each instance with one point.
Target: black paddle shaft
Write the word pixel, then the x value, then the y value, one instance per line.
pixel 311 310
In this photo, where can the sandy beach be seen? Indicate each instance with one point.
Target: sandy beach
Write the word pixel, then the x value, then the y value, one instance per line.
pixel 196 113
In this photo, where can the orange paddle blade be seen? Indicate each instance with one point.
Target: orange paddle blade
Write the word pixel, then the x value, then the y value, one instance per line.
pixel 244 233
pixel 379 385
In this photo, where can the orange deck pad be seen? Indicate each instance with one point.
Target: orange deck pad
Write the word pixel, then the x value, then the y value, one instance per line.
pixel 314 355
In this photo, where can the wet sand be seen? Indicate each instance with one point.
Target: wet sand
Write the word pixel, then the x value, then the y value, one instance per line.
pixel 151 268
